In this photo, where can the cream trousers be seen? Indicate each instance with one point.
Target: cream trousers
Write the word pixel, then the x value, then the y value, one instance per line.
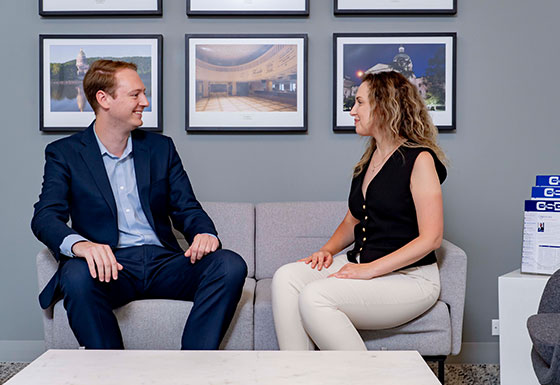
pixel 310 308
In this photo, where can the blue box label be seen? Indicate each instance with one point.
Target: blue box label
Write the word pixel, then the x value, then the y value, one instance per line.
pixel 545 192
pixel 542 206
pixel 548 180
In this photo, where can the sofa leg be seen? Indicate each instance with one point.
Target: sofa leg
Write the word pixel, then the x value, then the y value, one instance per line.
pixel 441 366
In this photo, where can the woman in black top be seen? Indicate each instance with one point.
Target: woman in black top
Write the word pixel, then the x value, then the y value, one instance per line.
pixel 395 220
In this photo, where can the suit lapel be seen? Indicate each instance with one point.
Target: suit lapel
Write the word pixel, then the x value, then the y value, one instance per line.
pixel 92 157
pixel 141 156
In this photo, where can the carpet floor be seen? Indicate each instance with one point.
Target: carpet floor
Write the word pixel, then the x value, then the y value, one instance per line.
pixel 455 374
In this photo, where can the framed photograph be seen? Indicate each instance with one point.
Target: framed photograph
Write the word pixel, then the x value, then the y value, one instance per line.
pixel 246 83
pixel 100 8
pixel 64 61
pixel 247 7
pixel 395 7
pixel 428 60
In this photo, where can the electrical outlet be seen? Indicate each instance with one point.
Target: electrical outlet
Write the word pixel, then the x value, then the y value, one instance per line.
pixel 495 327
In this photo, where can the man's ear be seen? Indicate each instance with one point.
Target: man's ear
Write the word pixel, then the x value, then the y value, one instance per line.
pixel 103 99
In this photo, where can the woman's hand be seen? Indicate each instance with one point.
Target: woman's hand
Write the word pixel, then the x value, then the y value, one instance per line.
pixel 320 259
pixel 354 271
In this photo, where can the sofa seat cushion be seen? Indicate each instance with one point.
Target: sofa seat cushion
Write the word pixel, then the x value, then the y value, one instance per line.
pixel 158 324
pixel 544 330
pixel 430 333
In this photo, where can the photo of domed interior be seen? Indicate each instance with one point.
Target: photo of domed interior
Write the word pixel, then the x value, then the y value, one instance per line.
pixel 246 77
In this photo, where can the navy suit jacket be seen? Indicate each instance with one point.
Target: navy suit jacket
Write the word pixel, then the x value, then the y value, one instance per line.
pixel 76 187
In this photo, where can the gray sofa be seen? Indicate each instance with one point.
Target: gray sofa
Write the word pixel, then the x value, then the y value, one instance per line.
pixel 269 235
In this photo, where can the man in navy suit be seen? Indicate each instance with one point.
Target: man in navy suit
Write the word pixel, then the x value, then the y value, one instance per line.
pixel 120 187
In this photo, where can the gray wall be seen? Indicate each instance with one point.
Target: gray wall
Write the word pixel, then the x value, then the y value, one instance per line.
pixel 507 97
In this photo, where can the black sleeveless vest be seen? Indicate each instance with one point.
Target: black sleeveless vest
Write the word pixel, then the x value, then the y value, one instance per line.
pixel 388 216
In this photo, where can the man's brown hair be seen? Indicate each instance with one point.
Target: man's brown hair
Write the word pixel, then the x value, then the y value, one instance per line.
pixel 101 76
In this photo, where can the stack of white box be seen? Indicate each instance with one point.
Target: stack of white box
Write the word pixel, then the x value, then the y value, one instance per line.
pixel 541 230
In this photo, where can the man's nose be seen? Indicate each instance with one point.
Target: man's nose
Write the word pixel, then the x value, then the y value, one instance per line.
pixel 144 101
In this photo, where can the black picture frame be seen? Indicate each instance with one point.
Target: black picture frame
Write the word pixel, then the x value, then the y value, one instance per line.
pixel 195 10
pixel 384 10
pixel 62 104
pixel 271 75
pixel 370 47
pixel 46 11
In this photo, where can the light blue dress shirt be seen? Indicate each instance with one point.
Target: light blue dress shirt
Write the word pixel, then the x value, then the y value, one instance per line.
pixel 134 228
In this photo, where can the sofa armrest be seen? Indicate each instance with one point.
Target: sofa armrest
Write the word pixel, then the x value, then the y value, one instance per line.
pixel 452 262
pixel 46 268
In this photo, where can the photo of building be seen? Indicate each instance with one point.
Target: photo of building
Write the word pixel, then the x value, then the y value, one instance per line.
pixel 246 78
pixel 422 64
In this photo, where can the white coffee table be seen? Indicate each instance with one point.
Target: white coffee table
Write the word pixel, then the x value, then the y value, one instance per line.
pixel 80 367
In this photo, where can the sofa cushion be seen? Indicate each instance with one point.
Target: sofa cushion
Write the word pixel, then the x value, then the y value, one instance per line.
pixel 544 330
pixel 158 324
pixel 430 333
pixel 288 231
pixel 235 223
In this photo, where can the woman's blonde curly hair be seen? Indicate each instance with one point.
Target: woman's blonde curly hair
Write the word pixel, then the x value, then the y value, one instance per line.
pixel 399 108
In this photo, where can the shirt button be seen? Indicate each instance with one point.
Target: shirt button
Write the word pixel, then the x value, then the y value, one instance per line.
pixel 361 248
pixel 364 239
pixel 127 210
pixel 364 207
pixel 365 218
pixel 364 229
pixel 122 187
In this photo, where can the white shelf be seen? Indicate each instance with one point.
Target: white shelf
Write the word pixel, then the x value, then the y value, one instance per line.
pixel 519 296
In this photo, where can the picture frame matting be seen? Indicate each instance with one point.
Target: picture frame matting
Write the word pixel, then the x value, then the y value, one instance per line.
pixel 247 83
pixel 248 8
pixel 100 8
pixel 395 7
pixel 428 60
pixel 63 62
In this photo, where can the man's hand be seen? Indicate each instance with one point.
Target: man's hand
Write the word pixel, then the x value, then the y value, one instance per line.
pixel 319 258
pixel 202 244
pixel 100 256
pixel 354 271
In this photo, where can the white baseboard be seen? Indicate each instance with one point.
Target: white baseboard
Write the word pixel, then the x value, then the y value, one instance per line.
pixel 471 352
pixel 20 351
pixel 477 353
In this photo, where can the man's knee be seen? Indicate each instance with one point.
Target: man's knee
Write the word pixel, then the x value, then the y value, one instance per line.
pixel 231 265
pixel 75 279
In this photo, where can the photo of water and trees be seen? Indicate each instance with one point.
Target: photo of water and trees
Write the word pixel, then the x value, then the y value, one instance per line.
pixel 69 64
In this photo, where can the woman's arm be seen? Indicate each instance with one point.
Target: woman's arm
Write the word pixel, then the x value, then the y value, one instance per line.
pixel 341 238
pixel 426 193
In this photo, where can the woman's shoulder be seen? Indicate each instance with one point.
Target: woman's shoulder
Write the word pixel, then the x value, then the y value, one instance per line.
pixel 411 151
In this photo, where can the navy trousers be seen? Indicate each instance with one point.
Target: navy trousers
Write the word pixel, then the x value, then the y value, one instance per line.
pixel 214 284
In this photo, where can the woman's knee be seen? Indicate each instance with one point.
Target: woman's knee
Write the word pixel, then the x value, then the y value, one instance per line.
pixel 312 297
pixel 284 276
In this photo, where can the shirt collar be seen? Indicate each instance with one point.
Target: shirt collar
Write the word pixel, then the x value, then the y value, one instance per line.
pixel 104 151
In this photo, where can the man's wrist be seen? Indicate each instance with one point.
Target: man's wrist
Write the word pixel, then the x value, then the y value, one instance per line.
pixel 73 250
pixel 68 244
